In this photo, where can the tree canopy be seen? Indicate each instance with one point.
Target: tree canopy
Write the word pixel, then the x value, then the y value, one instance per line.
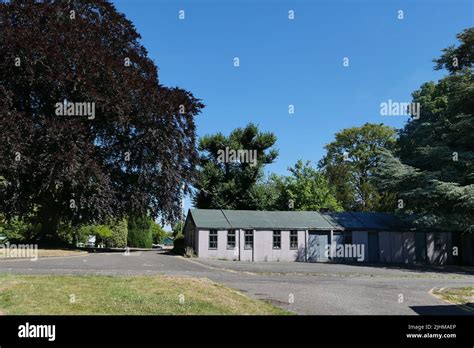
pixel 433 171
pixel 226 180
pixel 305 189
pixel 133 150
pixel 350 162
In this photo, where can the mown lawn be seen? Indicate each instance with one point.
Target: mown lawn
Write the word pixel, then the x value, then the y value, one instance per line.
pixel 123 295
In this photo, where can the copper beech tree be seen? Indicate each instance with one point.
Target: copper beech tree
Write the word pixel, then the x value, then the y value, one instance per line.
pixel 87 131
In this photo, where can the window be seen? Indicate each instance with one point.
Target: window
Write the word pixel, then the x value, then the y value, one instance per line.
pixel 293 239
pixel 231 239
pixel 248 239
pixel 276 239
pixel 213 239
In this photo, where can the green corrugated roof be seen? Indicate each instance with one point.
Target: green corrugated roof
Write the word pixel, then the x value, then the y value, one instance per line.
pixel 303 220
pixel 366 221
pixel 344 220
pixel 251 219
pixel 209 218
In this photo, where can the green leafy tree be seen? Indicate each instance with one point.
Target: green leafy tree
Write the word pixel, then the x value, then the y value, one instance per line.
pixel 228 184
pixel 112 235
pixel 140 232
pixel 118 234
pixel 16 230
pixel 350 163
pixel 158 233
pixel 433 171
pixel 264 195
pixel 305 189
pixel 101 232
pixel 177 228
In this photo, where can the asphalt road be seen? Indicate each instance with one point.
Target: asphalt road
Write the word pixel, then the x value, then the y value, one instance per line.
pixel 304 288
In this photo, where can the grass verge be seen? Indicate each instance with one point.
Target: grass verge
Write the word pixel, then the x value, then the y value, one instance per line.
pixel 123 295
pixel 461 296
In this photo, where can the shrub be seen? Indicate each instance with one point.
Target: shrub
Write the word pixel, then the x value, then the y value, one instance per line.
pixel 101 232
pixel 177 228
pixel 16 231
pixel 189 252
pixel 158 233
pixel 178 244
pixel 119 234
pixel 71 235
pixel 140 232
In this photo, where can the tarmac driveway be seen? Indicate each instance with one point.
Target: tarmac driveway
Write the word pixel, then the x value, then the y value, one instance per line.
pixel 321 289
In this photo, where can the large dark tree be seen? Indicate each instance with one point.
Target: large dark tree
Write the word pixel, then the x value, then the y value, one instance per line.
pixel 433 171
pixel 133 156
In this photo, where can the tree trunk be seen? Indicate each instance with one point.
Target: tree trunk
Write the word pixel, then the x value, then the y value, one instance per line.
pixel 48 217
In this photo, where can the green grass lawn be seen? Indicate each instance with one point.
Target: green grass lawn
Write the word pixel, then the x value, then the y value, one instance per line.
pixel 122 295
pixel 457 295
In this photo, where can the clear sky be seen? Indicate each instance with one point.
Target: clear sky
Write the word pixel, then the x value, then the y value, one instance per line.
pixel 298 62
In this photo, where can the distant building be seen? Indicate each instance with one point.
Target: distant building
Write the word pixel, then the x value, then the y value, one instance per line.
pixel 168 241
pixel 310 236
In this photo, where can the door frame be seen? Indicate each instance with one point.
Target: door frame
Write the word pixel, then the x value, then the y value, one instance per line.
pixel 328 234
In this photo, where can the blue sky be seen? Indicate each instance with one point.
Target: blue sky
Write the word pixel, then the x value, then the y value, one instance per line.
pixel 297 62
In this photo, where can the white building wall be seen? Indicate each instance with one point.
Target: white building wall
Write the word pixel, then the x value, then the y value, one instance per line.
pixel 262 247
pixel 395 247
pixel 264 250
pixel 362 237
pixel 221 252
pixel 409 255
pixel 438 256
pixel 300 253
pixel 385 249
pixel 396 240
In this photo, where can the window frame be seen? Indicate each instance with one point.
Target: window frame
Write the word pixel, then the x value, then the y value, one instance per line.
pixel 294 234
pixel 277 235
pixel 232 233
pixel 213 234
pixel 248 233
